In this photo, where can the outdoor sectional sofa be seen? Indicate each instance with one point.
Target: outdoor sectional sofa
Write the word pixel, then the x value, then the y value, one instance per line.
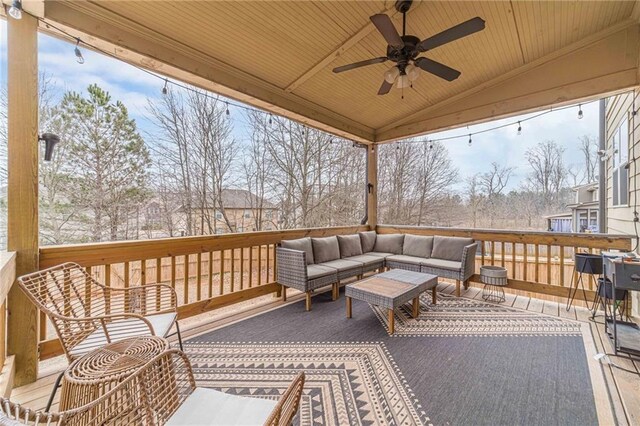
pixel 310 263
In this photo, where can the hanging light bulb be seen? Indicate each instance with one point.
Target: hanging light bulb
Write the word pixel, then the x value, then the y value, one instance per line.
pixel 391 74
pixel 270 119
pixel 331 141
pixel 15 11
pixel 227 112
pixel 412 71
pixel 519 128
pixel 430 145
pixel 165 90
pixel 580 115
pixel 469 139
pixel 79 57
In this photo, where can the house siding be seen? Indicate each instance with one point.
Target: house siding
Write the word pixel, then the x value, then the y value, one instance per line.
pixel 619 219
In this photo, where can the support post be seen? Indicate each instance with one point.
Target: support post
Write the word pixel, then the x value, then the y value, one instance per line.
pixel 372 186
pixel 22 232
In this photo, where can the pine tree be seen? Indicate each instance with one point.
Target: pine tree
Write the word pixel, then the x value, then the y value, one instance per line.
pixel 110 159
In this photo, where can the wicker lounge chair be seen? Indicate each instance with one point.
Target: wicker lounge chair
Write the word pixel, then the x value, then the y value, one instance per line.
pixel 87 315
pixel 164 392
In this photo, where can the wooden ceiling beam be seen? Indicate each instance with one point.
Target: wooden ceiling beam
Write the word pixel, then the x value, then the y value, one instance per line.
pixel 363 32
pixel 142 46
pixel 601 64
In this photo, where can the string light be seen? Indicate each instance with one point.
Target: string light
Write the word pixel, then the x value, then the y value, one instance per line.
pixel 79 57
pixel 430 145
pixel 270 119
pixel 15 11
pixel 165 90
pixel 519 128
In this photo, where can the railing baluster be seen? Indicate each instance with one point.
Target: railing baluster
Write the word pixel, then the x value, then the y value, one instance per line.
pixel 241 268
pixel 562 266
pixel 267 263
pixel 127 306
pixel 233 268
pixel 173 272
pixel 185 287
pixel 525 261
pixel 221 272
pixel 210 274
pixel 250 266
pixel 513 261
pixel 107 283
pixel 537 262
pixel 482 250
pixel 273 270
pixel 548 263
pixel 502 254
pixel 158 281
pixel 259 265
pixel 199 277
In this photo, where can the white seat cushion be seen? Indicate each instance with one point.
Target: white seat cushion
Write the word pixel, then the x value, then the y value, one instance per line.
pixel 210 407
pixel 123 329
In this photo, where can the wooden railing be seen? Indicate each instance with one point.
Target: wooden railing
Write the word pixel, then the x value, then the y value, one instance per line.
pixel 539 262
pixel 7 278
pixel 207 272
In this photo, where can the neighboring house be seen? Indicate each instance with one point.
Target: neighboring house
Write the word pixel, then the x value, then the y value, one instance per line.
pixel 583 216
pixel 245 211
pixel 622 141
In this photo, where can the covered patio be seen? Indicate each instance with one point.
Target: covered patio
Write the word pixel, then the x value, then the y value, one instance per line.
pixel 279 57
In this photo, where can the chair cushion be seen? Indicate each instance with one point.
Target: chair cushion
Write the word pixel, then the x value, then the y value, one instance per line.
pixel 210 407
pixel 123 329
pixel 378 254
pixel 449 248
pixel 366 259
pixel 417 245
pixel 325 249
pixel 444 264
pixel 368 240
pixel 406 259
pixel 349 245
pixel 342 264
pixel 389 243
pixel 317 271
pixel 301 244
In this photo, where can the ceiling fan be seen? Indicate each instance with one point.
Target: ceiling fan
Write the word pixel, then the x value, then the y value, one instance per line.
pixel 404 50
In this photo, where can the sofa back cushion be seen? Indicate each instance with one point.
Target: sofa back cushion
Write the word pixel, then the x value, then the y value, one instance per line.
pixel 367 240
pixel 417 245
pixel 449 248
pixel 389 243
pixel 349 245
pixel 302 244
pixel 325 249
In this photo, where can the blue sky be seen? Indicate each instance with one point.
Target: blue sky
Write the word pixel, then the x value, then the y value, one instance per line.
pixel 134 87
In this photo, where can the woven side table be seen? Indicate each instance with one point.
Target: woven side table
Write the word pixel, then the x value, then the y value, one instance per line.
pixel 94 374
pixel 494 279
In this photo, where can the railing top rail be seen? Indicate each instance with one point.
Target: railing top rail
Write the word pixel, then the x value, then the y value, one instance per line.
pixel 611 241
pixel 92 254
pixel 7 272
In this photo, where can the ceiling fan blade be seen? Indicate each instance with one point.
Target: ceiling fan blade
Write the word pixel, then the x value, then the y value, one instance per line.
pixel 360 64
pixel 385 26
pixel 438 69
pixel 454 33
pixel 384 89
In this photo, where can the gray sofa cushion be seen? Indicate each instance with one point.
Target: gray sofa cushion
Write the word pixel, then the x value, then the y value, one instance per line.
pixel 402 258
pixel 378 254
pixel 389 243
pixel 443 264
pixel 449 248
pixel 367 240
pixel 317 271
pixel 367 259
pixel 343 265
pixel 325 249
pixel 417 245
pixel 349 245
pixel 302 244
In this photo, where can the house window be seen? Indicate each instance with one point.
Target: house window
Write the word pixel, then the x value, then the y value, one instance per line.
pixel 268 215
pixel 218 216
pixel 620 191
pixel 247 214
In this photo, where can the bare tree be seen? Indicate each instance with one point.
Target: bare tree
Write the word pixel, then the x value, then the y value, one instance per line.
pixel 549 172
pixel 492 183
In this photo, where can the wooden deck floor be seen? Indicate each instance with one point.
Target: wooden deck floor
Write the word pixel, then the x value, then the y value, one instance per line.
pixel 623 386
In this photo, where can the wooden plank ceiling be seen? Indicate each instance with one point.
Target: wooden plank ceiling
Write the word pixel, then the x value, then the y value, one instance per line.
pixel 287 49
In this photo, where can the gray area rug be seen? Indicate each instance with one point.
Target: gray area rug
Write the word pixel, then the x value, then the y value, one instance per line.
pixel 533 371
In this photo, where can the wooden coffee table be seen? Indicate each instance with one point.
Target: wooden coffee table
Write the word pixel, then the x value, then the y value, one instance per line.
pixel 392 289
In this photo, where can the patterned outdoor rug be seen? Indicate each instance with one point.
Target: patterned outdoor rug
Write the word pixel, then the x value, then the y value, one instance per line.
pixel 346 383
pixel 453 316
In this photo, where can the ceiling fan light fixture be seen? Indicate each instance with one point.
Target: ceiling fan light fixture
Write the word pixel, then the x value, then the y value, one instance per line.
pixel 403 82
pixel 412 71
pixel 391 74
